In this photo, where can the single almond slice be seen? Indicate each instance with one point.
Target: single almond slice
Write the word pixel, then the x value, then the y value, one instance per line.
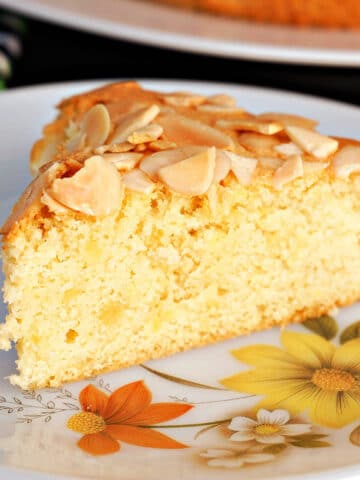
pixel 183 99
pixel 140 147
pixel 123 161
pixel 52 204
pixel 152 163
pixel 221 99
pixel 288 149
pixel 149 133
pixel 114 148
pixel 184 131
pixel 347 161
pixel 96 189
pixel 138 181
pixel 220 110
pixel 134 121
pixel 212 197
pixel 251 125
pixel 192 176
pixel 76 143
pixel 320 146
pixel 290 170
pixel 314 167
pixel 243 167
pixel 222 165
pixel 43 152
pixel 159 145
pixel 271 162
pixel 96 125
pixel 258 143
pixel 288 120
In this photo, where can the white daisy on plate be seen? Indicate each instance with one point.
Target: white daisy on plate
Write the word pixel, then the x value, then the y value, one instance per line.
pixel 269 427
pixel 223 457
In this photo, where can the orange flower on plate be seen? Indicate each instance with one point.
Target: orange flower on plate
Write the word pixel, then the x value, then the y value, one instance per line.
pixel 126 415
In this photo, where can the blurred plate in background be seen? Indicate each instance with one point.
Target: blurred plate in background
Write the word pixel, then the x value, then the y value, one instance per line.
pixel 163 26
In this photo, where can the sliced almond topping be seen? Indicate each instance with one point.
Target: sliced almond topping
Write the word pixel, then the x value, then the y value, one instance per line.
pixel 183 99
pixel 222 100
pixel 220 110
pixel 259 144
pixel 138 181
pixel 314 167
pixel 243 167
pixel 288 120
pixel 96 125
pixel 347 161
pixel 192 176
pixel 288 149
pixel 43 152
pixel 76 143
pixel 123 161
pixel 52 204
pixel 184 131
pixel 290 169
pixel 96 189
pixel 114 148
pixel 140 147
pixel 159 145
pixel 212 199
pixel 312 142
pixel 251 125
pixel 222 166
pixel 149 133
pixel 152 163
pixel 270 162
pixel 134 121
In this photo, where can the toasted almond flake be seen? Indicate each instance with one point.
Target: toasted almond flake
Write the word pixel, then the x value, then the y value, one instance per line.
pixel 123 161
pixel 270 162
pixel 290 170
pixel 243 167
pixel 258 143
pixel 251 125
pixel 220 110
pixel 141 147
pixel 159 145
pixel 288 120
pixel 184 131
pixel 192 176
pixel 314 167
pixel 96 125
pixel 149 133
pixel 222 166
pixel 221 99
pixel 347 161
pixel 152 163
pixel 76 143
pixel 114 148
pixel 288 149
pixel 134 121
pixel 96 189
pixel 52 204
pixel 138 181
pixel 183 99
pixel 320 146
pixel 43 152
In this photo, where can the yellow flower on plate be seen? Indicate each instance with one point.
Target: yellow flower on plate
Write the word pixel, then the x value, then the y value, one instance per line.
pixel 309 374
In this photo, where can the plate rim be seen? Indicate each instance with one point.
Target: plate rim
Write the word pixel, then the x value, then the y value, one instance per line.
pixel 206 46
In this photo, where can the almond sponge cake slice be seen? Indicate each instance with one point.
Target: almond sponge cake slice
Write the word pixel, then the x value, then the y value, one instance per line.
pixel 160 222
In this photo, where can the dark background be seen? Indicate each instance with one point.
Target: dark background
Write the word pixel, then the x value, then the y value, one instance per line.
pixel 53 54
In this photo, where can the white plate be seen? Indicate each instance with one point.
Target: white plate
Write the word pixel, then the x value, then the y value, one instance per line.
pixel 169 27
pixel 34 439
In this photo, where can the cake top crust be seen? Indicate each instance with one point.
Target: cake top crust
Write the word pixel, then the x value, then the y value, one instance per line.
pixel 121 138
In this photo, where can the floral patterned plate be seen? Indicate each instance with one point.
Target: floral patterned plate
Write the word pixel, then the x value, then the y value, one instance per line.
pixel 276 404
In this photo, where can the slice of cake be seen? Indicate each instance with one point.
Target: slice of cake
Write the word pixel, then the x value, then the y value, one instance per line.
pixel 161 222
pixel 323 13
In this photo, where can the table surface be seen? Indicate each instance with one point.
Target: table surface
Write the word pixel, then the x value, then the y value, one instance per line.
pixel 54 54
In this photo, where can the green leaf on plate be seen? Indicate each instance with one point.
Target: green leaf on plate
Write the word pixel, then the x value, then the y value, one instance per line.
pixel 350 332
pixel 275 448
pixel 325 326
pixel 310 444
pixel 355 436
pixel 182 381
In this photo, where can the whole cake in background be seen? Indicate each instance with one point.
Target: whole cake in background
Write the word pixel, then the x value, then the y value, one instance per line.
pixel 323 13
pixel 158 222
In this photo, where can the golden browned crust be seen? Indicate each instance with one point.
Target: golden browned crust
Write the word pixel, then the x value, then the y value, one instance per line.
pixel 323 13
